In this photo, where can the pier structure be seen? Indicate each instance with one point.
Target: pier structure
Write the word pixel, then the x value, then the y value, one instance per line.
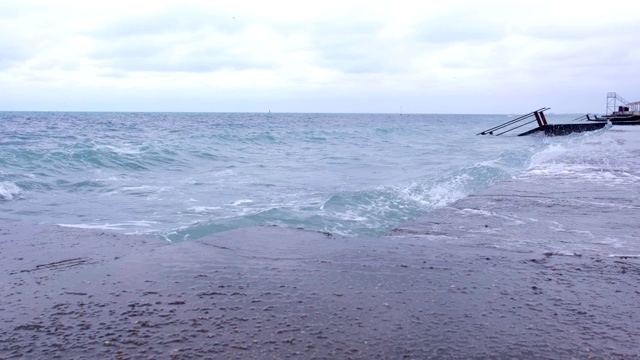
pixel 613 101
pixel 540 119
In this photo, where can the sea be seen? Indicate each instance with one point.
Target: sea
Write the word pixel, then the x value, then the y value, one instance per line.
pixel 184 176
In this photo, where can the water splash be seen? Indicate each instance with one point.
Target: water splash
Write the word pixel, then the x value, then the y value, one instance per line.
pixel 9 191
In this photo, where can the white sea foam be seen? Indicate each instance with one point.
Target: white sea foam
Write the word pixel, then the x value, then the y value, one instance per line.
pixel 436 195
pixel 111 227
pixel 145 188
pixel 8 191
pixel 122 149
pixel 511 219
pixel 351 216
pixel 442 195
pixel 151 192
pixel 627 256
pixel 203 209
pixel 115 226
pixel 611 242
pixel 608 158
pixel 227 172
pixel 477 212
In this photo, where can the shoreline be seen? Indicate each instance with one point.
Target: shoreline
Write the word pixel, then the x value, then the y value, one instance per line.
pixel 273 292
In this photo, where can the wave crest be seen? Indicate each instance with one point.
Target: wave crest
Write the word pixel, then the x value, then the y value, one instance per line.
pixel 9 191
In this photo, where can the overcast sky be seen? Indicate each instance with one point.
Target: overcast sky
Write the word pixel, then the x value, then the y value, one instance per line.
pixel 368 56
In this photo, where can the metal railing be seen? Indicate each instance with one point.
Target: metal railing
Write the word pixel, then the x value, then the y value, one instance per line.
pixel 516 123
pixel 612 99
pixel 585 117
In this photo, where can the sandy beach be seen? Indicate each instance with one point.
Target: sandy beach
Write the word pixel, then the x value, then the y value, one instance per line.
pixel 285 293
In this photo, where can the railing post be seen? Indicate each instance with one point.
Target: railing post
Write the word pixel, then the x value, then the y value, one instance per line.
pixel 537 115
pixel 544 119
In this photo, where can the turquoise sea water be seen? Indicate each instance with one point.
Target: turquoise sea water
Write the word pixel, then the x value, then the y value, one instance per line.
pixel 186 175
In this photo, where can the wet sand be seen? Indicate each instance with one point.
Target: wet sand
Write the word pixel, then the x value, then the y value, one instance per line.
pixel 274 293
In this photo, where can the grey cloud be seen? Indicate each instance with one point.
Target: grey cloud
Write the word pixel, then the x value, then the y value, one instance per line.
pixel 351 46
pixel 452 33
pixel 139 47
pixel 461 26
pixel 614 53
pixel 170 20
pixel 12 10
pixel 355 60
pixel 584 31
pixel 9 59
pixel 182 54
pixel 463 63
pixel 184 39
pixel 191 45
pixel 191 64
pixel 587 52
pixel 114 74
pixel 13 51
